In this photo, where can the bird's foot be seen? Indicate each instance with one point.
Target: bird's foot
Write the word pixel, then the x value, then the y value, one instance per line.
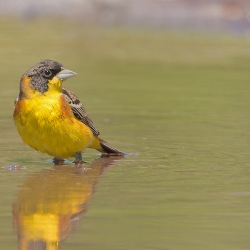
pixel 78 162
pixel 58 161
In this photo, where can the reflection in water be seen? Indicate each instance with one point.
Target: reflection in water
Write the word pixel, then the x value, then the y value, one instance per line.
pixel 50 203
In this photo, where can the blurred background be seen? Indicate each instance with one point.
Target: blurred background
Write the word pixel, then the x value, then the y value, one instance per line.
pixel 214 14
pixel 166 81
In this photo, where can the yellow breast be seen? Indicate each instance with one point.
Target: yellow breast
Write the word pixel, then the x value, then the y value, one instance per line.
pixel 47 124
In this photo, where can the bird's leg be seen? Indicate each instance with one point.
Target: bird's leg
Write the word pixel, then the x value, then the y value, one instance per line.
pixel 58 161
pixel 78 160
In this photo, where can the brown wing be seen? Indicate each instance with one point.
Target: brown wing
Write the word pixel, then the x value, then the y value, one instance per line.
pixel 78 110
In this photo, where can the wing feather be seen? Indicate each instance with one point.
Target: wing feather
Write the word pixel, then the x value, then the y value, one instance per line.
pixel 78 110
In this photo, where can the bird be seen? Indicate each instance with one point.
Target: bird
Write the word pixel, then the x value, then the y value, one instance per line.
pixel 51 119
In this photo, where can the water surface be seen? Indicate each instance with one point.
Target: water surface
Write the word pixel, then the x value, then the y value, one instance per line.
pixel 180 101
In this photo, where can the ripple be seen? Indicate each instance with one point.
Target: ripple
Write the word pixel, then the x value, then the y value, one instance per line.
pixel 14 167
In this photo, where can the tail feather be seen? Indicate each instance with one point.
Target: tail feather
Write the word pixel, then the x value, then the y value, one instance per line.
pixel 108 149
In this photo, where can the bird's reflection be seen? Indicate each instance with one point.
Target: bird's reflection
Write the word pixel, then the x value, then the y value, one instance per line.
pixel 50 203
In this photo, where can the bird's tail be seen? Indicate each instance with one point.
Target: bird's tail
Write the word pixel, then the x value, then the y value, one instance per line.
pixel 105 148
pixel 108 149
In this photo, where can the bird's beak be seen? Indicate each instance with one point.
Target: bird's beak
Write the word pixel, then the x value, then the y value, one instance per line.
pixel 65 73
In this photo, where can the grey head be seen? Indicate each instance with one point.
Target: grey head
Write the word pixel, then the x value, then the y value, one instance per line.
pixel 42 72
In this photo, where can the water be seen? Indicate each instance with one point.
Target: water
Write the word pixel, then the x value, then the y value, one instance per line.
pixel 179 103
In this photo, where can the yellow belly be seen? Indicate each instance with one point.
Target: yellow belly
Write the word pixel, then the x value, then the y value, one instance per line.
pixel 48 125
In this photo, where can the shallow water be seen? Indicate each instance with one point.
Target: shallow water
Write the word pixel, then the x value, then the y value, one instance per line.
pixel 180 102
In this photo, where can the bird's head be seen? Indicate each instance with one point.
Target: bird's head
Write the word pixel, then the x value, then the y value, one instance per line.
pixel 45 76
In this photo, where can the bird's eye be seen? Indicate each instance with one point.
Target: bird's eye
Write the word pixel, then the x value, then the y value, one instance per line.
pixel 47 72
